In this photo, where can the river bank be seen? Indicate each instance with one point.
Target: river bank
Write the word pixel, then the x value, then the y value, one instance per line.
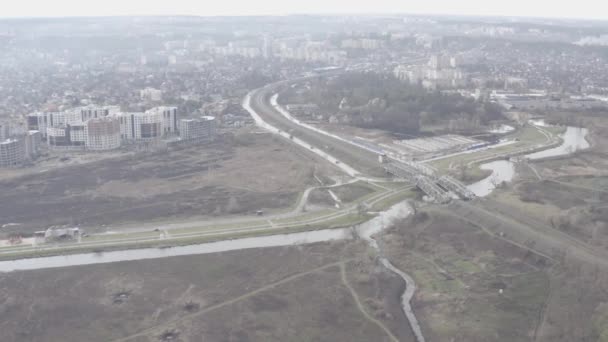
pixel 573 139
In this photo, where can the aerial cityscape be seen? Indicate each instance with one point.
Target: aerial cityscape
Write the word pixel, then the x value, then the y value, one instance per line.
pixel 303 177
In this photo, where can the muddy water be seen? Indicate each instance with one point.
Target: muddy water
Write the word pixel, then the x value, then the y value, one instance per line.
pixel 574 139
pixel 502 171
pixel 366 230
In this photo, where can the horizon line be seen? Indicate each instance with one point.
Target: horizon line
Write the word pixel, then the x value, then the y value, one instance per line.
pixel 312 14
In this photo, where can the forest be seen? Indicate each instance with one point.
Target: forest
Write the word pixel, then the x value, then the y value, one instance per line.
pixel 371 100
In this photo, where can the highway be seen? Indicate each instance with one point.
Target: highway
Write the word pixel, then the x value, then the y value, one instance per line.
pixel 355 160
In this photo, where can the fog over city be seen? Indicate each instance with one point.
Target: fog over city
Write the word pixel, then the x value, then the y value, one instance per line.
pixel 584 9
pixel 332 171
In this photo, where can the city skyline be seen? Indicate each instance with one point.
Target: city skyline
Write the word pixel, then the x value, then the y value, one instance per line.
pixel 584 9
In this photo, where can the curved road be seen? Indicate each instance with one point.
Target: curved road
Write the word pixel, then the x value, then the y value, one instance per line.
pixel 351 159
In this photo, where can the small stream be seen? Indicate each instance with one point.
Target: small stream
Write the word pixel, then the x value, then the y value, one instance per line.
pixel 574 139
pixel 366 231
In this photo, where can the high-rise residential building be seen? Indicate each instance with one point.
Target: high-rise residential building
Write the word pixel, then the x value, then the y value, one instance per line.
pixel 58 137
pixel 203 128
pixel 33 140
pixel 82 114
pixel 103 133
pixel 11 153
pixel 77 134
pixel 40 121
pixel 169 119
pixel 141 126
pixel 5 131
pixel 267 47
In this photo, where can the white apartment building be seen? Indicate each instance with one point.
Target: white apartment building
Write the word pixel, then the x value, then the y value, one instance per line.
pixel 141 126
pixel 58 137
pixel 169 119
pixel 5 131
pixel 430 76
pixel 77 134
pixel 33 140
pixel 11 153
pixel 151 94
pixel 203 128
pixel 82 114
pixel 40 121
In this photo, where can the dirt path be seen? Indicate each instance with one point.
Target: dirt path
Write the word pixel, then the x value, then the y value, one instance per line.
pixel 485 229
pixel 538 331
pixel 548 241
pixel 245 296
pixel 582 187
pixel 360 305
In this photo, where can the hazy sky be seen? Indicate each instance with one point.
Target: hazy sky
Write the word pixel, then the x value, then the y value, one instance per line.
pixel 541 8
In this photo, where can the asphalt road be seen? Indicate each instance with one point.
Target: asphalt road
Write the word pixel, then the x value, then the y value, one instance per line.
pixel 363 161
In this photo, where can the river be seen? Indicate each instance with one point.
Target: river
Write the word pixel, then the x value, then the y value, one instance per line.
pixel 154 253
pixel 574 139
pixel 365 231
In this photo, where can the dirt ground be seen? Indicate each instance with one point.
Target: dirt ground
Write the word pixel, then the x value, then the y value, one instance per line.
pixel 572 192
pixel 234 175
pixel 275 294
pixel 459 271
pixel 565 300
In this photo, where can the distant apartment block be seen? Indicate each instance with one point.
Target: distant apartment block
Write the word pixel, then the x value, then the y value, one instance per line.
pixel 40 121
pixel 151 94
pixel 102 127
pixel 198 129
pixel 141 126
pixel 102 134
pixel 5 131
pixel 58 137
pixel 169 119
pixel 11 153
pixel 32 143
pixel 82 114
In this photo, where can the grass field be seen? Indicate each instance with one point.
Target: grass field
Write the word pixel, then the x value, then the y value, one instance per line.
pixel 528 137
pixel 253 295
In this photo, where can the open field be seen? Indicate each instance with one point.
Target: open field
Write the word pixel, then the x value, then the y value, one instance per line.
pixel 231 176
pixel 253 295
pixel 459 270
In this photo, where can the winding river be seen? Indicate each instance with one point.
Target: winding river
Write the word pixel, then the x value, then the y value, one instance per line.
pixel 574 139
pixel 366 231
